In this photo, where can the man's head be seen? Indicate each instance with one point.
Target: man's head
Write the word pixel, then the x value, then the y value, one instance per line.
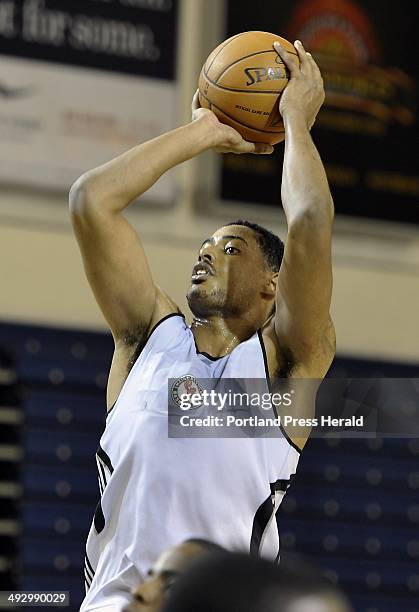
pixel 172 563
pixel 248 584
pixel 236 273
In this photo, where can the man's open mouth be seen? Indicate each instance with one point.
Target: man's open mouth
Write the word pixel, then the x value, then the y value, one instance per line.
pixel 201 272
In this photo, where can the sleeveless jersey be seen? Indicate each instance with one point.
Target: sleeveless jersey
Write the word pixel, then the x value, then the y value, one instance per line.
pixel 158 491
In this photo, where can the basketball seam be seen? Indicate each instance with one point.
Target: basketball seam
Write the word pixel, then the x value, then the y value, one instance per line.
pixel 240 122
pixel 267 91
pixel 245 57
pixel 223 47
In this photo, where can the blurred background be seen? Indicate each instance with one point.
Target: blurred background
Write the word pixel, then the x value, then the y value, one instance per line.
pixel 80 82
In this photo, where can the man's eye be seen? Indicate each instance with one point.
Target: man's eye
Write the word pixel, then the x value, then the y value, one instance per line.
pixel 231 250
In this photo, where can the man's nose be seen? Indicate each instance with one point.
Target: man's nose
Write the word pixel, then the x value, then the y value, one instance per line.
pixel 147 594
pixel 206 255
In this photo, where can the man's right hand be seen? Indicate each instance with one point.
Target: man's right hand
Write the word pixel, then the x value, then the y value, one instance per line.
pixel 226 138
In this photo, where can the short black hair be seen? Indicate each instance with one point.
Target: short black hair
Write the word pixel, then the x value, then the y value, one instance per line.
pixel 271 245
pixel 247 584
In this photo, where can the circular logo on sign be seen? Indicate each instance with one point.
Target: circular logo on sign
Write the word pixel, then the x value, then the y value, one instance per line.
pixel 186 392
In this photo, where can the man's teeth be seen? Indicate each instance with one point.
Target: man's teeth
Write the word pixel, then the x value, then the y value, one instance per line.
pixel 199 272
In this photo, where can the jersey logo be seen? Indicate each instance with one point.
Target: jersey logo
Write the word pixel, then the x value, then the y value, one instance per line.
pixel 183 388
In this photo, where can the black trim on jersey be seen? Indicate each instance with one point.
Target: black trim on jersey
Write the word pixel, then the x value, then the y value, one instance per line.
pixel 138 352
pixel 260 522
pixel 105 458
pixel 89 572
pixel 279 538
pixel 264 514
pixel 110 409
pixel 210 356
pixel 207 355
pixel 265 362
pixel 88 579
pixel 102 458
pixel 89 565
pixel 281 484
pixel 102 481
pixel 99 518
pixel 288 439
pixel 172 314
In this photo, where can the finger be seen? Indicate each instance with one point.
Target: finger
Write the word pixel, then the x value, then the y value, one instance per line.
pixel 259 148
pixel 315 71
pixel 289 59
pixel 302 53
pixel 313 62
pixel 263 149
pixel 306 61
pixel 195 101
pixel 256 148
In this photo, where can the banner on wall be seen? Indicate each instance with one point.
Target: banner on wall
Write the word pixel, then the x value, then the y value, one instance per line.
pixel 81 82
pixel 367 129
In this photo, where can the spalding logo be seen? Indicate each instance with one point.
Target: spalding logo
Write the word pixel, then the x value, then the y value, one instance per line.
pixel 256 75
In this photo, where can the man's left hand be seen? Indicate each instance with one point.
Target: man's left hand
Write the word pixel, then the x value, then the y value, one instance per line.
pixel 304 92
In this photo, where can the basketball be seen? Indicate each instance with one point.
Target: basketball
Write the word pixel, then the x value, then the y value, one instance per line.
pixel 242 81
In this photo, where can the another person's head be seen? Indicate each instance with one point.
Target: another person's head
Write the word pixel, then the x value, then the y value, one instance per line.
pixel 236 273
pixel 172 563
pixel 240 583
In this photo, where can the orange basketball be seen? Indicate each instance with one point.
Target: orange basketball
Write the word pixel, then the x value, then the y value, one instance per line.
pixel 242 81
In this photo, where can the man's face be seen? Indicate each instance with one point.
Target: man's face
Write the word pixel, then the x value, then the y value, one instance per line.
pixel 151 594
pixel 229 275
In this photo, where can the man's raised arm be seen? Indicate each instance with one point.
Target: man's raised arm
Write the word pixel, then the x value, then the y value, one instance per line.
pixel 114 260
pixel 302 321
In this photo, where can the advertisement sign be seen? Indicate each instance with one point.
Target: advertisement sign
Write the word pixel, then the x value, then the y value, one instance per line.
pixel 368 125
pixel 81 82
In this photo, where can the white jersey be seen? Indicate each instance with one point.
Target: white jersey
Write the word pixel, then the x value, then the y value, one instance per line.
pixel 158 491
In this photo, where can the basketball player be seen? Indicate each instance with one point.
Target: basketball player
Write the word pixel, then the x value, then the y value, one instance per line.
pixel 150 595
pixel 158 491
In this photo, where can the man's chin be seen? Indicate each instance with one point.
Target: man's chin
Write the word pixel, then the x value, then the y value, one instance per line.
pixel 201 303
pixel 196 296
pixel 205 302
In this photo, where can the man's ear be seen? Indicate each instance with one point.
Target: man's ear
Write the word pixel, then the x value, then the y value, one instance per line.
pixel 272 284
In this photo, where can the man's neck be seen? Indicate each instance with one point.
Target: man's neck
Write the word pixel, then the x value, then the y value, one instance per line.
pixel 218 336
